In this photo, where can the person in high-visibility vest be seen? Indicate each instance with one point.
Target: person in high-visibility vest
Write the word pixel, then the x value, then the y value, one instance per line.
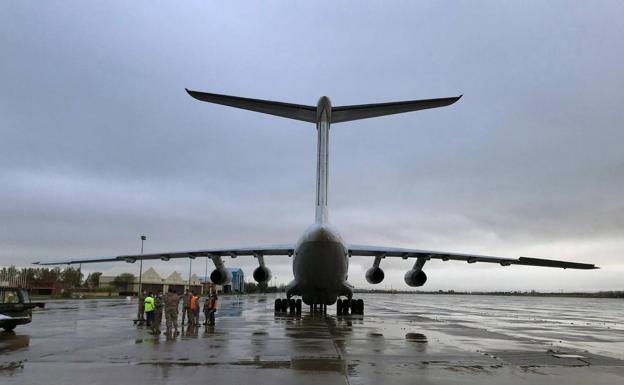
pixel 158 313
pixel 210 308
pixel 194 319
pixel 149 309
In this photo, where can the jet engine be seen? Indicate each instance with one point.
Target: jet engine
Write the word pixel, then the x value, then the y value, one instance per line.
pixel 220 276
pixel 375 275
pixel 415 278
pixel 262 274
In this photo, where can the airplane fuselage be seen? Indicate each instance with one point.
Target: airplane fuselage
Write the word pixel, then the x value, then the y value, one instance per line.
pixel 320 261
pixel 320 266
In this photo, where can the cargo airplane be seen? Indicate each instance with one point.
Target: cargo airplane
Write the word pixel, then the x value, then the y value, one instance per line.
pixel 320 258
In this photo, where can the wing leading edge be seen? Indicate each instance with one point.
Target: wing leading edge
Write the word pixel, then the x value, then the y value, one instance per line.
pixel 231 252
pixel 378 251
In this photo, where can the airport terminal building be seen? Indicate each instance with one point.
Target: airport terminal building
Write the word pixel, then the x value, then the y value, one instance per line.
pixel 151 281
pixel 154 282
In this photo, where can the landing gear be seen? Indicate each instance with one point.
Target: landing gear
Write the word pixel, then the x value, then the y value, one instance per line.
pixel 318 308
pixel 298 306
pixel 283 305
pixel 356 306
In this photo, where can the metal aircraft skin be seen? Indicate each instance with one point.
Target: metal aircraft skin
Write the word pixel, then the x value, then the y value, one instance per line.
pixel 320 258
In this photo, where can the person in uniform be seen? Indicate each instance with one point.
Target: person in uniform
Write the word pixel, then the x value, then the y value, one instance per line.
pixel 141 310
pixel 194 310
pixel 149 309
pixel 210 308
pixel 186 306
pixel 158 312
pixel 171 302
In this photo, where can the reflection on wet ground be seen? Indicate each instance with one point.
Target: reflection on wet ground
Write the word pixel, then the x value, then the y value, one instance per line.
pixel 403 339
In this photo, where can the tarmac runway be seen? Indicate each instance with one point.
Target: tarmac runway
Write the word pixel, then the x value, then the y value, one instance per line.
pixel 401 339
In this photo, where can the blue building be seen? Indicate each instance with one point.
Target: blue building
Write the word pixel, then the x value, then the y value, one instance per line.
pixel 238 281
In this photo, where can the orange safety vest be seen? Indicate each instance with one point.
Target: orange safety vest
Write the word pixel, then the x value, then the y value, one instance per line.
pixel 194 302
pixel 212 303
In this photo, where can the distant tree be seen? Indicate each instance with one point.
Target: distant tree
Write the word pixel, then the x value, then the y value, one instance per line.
pixel 28 275
pixel 9 275
pixel 93 280
pixel 122 281
pixel 48 275
pixel 71 276
pixel 251 287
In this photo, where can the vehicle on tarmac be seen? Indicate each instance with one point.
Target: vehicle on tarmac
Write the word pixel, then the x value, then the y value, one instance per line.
pixel 16 307
pixel 320 259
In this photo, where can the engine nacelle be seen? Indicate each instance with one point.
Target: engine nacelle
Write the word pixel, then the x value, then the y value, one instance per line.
pixel 262 274
pixel 415 278
pixel 375 275
pixel 220 276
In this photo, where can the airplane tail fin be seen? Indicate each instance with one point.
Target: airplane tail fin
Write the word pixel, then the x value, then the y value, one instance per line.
pixel 285 110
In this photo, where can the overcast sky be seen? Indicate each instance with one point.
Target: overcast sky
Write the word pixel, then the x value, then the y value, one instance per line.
pixel 99 142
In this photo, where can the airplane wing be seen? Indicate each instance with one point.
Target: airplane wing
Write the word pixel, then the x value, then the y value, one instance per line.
pixel 285 110
pixel 380 251
pixel 231 252
pixel 364 111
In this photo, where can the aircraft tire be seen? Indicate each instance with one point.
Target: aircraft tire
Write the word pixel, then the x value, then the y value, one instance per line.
pixel 284 305
pixel 298 305
pixel 345 306
pixel 291 305
pixel 358 306
pixel 278 305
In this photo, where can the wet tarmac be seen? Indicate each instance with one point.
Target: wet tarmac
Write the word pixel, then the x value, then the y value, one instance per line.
pixel 401 339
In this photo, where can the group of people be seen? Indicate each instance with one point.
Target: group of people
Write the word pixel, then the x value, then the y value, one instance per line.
pixel 154 304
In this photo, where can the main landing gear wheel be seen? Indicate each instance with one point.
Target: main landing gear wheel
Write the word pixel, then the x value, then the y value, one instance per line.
pixel 343 306
pixel 291 305
pixel 283 305
pixel 298 306
pixel 357 306
pixel 278 305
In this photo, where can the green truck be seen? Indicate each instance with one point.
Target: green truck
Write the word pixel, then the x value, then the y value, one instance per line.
pixel 15 307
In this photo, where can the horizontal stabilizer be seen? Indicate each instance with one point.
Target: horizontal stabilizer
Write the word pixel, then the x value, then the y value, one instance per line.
pixel 364 111
pixel 285 110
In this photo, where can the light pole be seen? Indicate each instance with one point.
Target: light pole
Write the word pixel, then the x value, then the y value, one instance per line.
pixel 205 276
pixel 190 271
pixel 140 311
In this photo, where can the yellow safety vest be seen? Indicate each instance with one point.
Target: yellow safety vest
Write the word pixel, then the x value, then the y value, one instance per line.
pixel 149 303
